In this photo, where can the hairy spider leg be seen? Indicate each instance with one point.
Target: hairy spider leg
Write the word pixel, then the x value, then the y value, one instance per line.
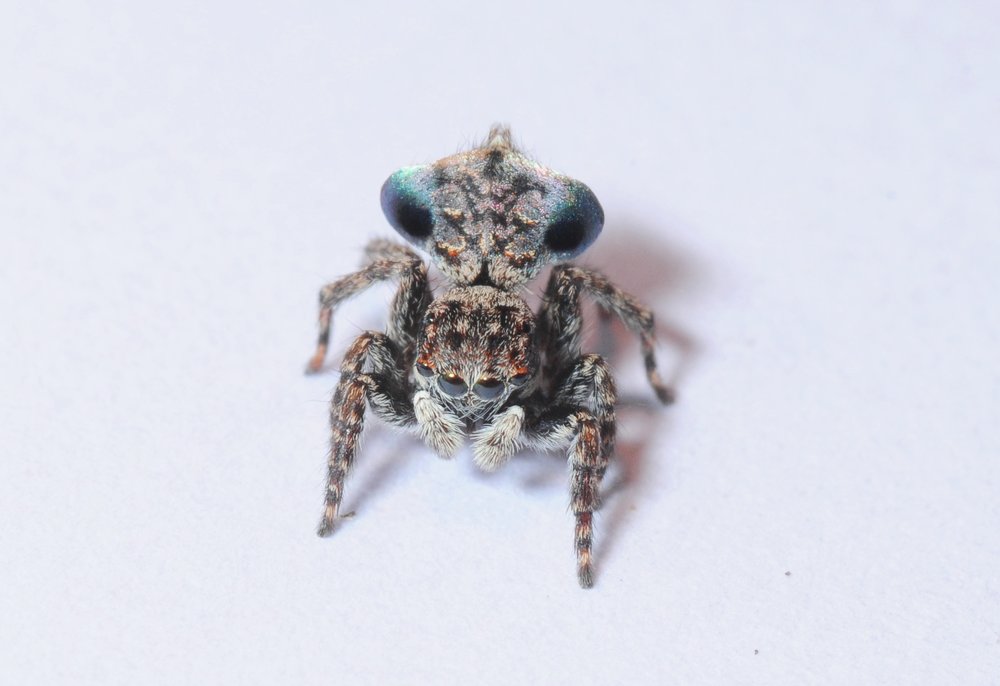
pixel 387 261
pixel 561 321
pixel 386 390
pixel 582 412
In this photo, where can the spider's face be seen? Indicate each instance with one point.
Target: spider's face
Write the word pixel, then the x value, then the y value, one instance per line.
pixel 492 216
pixel 476 350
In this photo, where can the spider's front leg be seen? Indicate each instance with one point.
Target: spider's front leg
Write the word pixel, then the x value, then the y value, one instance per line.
pixel 561 321
pixel 582 413
pixel 387 260
pixel 588 463
pixel 384 387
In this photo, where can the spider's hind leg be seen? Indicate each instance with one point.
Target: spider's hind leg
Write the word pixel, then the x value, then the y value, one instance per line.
pixel 561 321
pixel 386 260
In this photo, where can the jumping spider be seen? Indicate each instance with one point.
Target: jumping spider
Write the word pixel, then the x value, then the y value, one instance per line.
pixel 475 361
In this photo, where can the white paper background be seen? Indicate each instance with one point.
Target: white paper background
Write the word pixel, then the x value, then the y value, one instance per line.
pixel 807 193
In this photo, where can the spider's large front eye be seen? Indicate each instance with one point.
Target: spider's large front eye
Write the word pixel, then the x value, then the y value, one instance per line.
pixel 576 224
pixel 453 385
pixel 519 380
pixel 424 370
pixel 488 389
pixel 405 208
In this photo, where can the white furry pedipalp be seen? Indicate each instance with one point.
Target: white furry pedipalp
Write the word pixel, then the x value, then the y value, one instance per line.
pixel 442 431
pixel 496 442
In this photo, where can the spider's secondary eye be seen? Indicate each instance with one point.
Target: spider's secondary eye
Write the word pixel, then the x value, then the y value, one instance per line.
pixel 453 385
pixel 403 207
pixel 576 225
pixel 424 370
pixel 519 380
pixel 488 389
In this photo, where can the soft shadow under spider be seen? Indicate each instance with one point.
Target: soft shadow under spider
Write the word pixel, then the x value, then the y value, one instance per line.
pixel 397 450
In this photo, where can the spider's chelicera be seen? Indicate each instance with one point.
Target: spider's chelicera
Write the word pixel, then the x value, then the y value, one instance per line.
pixel 476 361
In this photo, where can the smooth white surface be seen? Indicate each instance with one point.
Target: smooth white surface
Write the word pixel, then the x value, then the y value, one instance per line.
pixel 808 195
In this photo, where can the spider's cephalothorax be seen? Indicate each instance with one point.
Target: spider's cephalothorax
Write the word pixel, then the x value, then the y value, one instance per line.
pixel 477 348
pixel 477 362
pixel 491 215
